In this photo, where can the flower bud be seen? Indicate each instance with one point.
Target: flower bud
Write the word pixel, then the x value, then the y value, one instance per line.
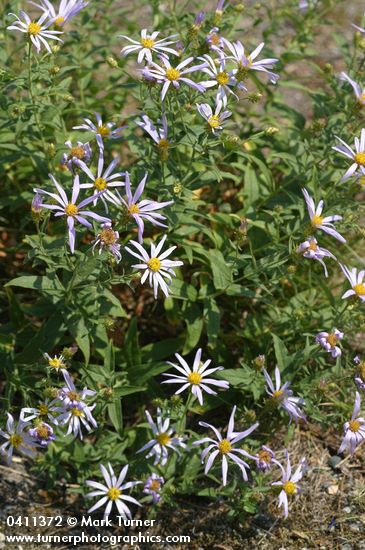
pixel 112 62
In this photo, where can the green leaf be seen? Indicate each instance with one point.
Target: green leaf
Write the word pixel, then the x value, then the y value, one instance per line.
pixel 222 273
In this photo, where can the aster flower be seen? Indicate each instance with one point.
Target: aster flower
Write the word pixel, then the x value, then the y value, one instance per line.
pixel 140 210
pixel 156 266
pixel 66 10
pixel 69 395
pixel 78 416
pixel 108 239
pixel 225 80
pixel 359 92
pixel 16 439
pixel 167 74
pixel 357 282
pixel 57 363
pixel 104 178
pixel 148 44
pixel 215 41
pixel 289 483
pixel 310 249
pixel 81 151
pixel 199 20
pixel 37 31
pixel 322 222
pixel 112 492
pixel 104 130
pixel 70 209
pixel 47 410
pixel 357 156
pixel 224 447
pixel 328 341
pixel 153 487
pixel 215 120
pixel 247 63
pixel 159 135
pixel 36 206
pixel 354 429
pixel 42 434
pixel 163 439
pixel 284 397
pixel 195 378
pixel 265 458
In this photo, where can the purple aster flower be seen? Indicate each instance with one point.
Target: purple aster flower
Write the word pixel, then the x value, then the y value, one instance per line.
pixel 357 156
pixel 104 178
pixel 225 80
pixel 220 7
pixel 357 282
pixel 104 130
pixel 108 239
pixel 358 91
pixel 81 151
pixel 37 31
pixel 310 249
pixel 224 448
pixel 66 10
pixel 153 487
pixel 284 397
pixel 289 483
pixel 321 222
pixel 69 395
pixel 195 378
pixel 42 434
pixel 264 458
pixel 70 209
pixel 199 19
pixel 113 492
pixel 16 438
pixel 47 410
pixel 216 119
pixel 159 135
pixel 247 63
pixel 164 438
pixel 354 429
pixel 215 41
pixel 167 74
pixel 328 341
pixel 78 416
pixel 147 44
pixel 140 210
pixel 36 204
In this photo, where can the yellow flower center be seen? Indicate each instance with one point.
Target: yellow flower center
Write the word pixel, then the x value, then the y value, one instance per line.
pixel 43 409
pixel 215 38
pixel 278 394
pixel 224 446
pixel 195 378
pixel 147 43
pixel 104 131
pixel 155 485
pixel 332 340
pixel 77 152
pixel 56 363
pixel 290 488
pixel 172 74
pixel 73 396
pixel 313 246
pixel 163 439
pixel 34 28
pixel 71 210
pixel 222 78
pixel 317 220
pixel 107 236
pixel 213 121
pixel 154 264
pixel 114 493
pixel 163 144
pixel 354 425
pixel 360 158
pixel 359 289
pixel 100 184
pixel 133 209
pixel 76 412
pixel 264 456
pixel 43 431
pixel 362 98
pixel 15 440
pixel 59 21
